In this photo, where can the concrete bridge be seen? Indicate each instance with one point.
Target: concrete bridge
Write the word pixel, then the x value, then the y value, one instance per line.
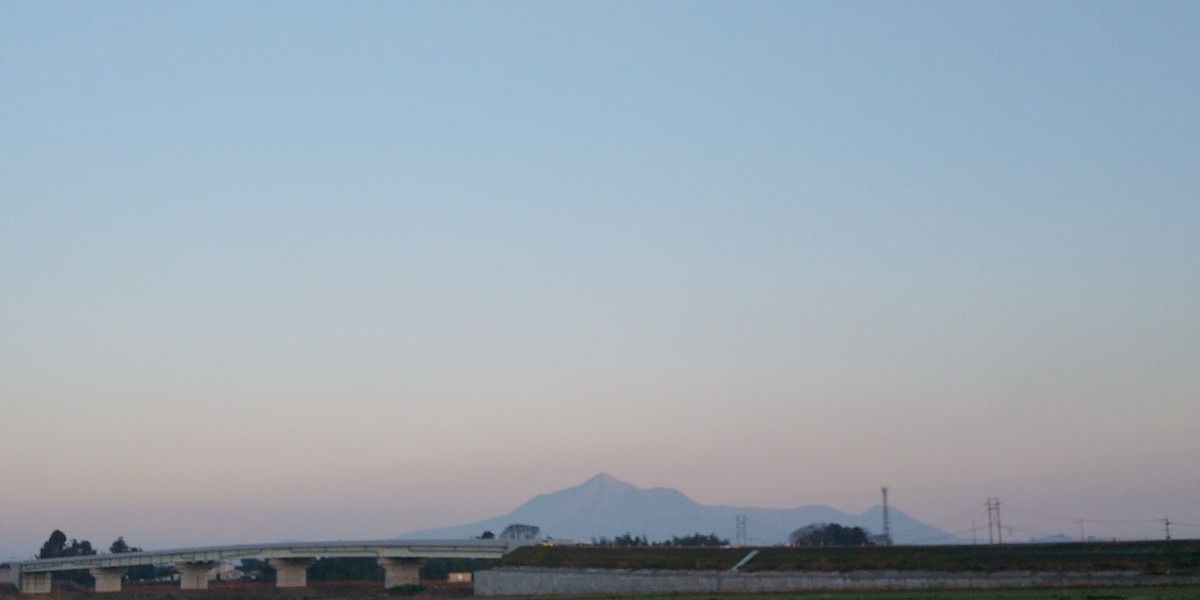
pixel 401 561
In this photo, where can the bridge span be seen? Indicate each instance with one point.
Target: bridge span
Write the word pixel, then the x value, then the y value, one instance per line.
pixel 401 561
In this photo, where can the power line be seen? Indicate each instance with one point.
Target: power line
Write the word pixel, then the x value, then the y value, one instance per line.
pixel 953 520
pixel 1030 532
pixel 996 526
pixel 955 534
pixel 1076 519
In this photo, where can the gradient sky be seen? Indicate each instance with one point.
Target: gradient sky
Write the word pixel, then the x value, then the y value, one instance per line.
pixel 322 270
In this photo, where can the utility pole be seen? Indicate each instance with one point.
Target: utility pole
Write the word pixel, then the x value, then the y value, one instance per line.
pixel 1167 524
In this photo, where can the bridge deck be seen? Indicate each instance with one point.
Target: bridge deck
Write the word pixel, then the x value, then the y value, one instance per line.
pixel 370 548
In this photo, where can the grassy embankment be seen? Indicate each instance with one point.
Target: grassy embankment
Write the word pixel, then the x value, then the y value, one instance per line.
pixel 1163 557
pixel 1166 557
pixel 1124 593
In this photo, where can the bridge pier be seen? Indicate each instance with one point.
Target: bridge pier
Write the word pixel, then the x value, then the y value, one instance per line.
pixel 108 579
pixel 291 572
pixel 36 583
pixel 195 575
pixel 401 571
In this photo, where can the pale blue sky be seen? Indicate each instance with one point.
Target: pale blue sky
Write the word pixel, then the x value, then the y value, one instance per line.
pixel 334 270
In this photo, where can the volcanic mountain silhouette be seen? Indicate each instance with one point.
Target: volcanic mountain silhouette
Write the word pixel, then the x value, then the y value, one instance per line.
pixel 604 506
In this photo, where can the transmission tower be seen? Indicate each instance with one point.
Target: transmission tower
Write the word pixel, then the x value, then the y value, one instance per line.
pixel 993 510
pixel 887 522
pixel 740 529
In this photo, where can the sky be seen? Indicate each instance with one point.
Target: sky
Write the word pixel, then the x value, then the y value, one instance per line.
pixel 316 270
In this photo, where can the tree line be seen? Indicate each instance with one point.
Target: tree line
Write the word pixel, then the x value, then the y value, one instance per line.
pixel 59 546
pixel 693 540
pixel 817 534
pixel 832 534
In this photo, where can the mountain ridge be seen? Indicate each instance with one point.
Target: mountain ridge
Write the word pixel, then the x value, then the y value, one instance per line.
pixel 604 506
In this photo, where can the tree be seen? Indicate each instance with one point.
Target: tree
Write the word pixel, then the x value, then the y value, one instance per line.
pixel 56 546
pixel 120 546
pixel 136 572
pixel 698 539
pixel 627 540
pixel 624 540
pixel 520 531
pixel 53 548
pixel 487 535
pixel 830 534
pixel 79 548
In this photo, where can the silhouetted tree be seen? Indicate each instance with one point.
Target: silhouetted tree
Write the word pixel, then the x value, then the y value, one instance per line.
pixel 136 572
pixel 53 548
pixel 698 539
pixel 487 535
pixel 79 548
pixel 627 540
pixel 624 540
pixel 830 534
pixel 56 546
pixel 520 531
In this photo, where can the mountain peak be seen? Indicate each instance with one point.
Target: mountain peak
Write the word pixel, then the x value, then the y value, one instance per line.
pixel 601 490
pixel 603 480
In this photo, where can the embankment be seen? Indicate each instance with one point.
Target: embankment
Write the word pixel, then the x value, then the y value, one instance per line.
pixel 597 570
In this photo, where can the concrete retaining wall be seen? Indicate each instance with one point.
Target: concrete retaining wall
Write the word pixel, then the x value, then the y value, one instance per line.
pixel 531 581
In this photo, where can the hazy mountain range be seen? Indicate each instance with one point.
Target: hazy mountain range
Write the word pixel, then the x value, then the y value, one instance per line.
pixel 606 507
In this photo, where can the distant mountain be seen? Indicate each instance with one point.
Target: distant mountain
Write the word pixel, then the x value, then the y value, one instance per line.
pixel 607 507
